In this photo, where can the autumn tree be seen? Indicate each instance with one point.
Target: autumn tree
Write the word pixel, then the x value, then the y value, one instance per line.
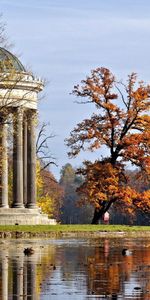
pixel 140 183
pixel 49 193
pixel 121 124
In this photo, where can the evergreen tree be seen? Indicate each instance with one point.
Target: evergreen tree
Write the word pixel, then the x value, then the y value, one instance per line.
pixel 71 212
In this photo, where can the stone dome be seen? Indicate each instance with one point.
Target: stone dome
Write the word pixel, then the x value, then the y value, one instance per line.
pixel 8 62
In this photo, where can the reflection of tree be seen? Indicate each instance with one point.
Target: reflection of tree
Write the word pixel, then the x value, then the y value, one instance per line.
pixel 142 266
pixel 136 269
pixel 109 271
pixel 45 267
pixel 95 267
pixel 74 263
pixel 103 272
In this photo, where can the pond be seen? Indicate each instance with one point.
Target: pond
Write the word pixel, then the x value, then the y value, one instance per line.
pixel 75 269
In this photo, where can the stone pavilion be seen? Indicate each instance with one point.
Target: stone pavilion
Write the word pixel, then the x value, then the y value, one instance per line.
pixel 18 102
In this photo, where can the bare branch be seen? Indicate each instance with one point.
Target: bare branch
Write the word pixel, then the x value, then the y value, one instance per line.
pixel 42 147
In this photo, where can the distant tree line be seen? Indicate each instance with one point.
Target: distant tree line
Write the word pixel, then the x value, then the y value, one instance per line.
pixel 72 211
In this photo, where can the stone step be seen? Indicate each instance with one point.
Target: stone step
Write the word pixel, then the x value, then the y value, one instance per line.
pixel 13 216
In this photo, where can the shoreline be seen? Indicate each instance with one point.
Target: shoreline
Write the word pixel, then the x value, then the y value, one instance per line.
pixel 72 231
pixel 72 234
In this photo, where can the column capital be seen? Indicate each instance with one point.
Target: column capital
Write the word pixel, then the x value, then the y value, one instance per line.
pixel 18 113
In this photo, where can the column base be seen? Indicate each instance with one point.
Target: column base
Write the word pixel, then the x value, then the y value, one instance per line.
pixel 17 205
pixel 31 206
pixel 4 206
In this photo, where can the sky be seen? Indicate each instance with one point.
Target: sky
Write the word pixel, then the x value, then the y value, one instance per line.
pixel 63 40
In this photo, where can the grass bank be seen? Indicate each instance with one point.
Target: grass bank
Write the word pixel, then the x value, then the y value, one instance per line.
pixel 23 231
pixel 73 228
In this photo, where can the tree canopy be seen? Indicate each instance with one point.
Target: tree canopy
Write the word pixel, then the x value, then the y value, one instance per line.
pixel 121 123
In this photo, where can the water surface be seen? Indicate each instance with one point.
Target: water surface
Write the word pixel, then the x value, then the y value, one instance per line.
pixel 75 269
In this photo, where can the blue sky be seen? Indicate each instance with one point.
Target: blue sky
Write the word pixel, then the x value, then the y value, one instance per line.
pixel 62 40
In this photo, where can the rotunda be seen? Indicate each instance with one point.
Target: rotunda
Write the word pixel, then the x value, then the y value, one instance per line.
pixel 18 98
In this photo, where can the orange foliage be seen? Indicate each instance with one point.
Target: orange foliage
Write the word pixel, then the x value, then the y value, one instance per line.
pixel 122 124
pixel 104 185
pixel 52 189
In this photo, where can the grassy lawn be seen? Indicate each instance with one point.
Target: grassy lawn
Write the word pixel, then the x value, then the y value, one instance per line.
pixel 73 228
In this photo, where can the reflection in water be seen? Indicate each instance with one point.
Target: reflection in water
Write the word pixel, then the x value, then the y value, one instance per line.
pixel 75 269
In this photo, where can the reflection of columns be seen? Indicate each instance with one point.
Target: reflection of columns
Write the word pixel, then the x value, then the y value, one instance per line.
pixel 5 276
pixel 25 160
pixel 31 161
pixel 4 165
pixel 31 276
pixel 25 281
pixel 18 278
pixel 18 160
pixel 18 273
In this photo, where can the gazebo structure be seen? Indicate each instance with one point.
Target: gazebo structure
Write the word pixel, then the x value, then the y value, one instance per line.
pixel 18 101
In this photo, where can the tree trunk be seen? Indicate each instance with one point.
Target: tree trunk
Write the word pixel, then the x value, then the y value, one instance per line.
pixel 98 213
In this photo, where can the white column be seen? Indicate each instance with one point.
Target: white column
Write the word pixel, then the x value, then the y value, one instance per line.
pixel 24 159
pixel 4 165
pixel 18 160
pixel 31 160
